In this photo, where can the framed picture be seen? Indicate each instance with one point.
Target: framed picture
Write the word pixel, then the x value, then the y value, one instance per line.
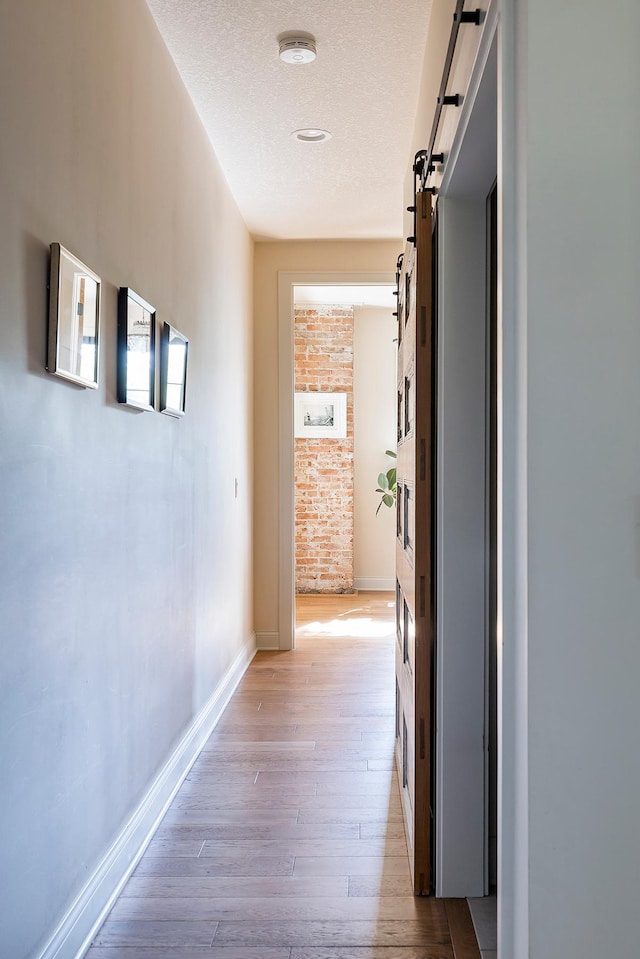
pixel 174 350
pixel 136 376
pixel 320 414
pixel 74 316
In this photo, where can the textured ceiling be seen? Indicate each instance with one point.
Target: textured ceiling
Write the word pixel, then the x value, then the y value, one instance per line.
pixel 362 87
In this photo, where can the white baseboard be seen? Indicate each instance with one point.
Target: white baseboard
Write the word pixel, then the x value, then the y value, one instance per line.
pixel 267 640
pixel 374 583
pixel 77 928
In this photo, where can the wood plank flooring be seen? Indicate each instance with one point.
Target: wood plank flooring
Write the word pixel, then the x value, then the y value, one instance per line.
pixel 286 839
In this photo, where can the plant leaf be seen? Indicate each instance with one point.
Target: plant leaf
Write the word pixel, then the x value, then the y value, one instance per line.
pixel 387 500
pixel 391 453
pixel 382 480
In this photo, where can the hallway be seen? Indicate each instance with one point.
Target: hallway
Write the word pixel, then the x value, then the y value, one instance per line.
pixel 286 839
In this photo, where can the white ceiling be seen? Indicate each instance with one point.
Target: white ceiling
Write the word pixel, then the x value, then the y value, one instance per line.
pixel 363 88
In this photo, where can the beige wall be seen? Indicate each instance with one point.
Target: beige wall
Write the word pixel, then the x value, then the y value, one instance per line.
pixel 270 258
pixel 374 404
pixel 125 569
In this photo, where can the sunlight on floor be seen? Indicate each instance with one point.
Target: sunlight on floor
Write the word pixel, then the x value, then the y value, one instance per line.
pixel 348 627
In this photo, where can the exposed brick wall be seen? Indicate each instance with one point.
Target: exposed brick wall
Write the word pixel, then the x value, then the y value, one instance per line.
pixel 324 467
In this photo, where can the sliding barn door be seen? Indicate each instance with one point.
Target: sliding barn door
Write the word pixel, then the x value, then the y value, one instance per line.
pixel 414 563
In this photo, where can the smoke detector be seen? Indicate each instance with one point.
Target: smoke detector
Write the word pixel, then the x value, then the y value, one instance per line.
pixel 298 49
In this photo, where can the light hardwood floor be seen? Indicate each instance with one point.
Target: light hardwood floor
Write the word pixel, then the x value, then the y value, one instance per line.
pixel 286 839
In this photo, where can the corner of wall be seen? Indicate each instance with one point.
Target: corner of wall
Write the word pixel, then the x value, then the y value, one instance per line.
pixel 267 641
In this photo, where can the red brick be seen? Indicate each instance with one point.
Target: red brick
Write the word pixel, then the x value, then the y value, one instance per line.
pixel 323 342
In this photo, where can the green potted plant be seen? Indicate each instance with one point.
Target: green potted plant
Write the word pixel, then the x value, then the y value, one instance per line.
pixel 387 485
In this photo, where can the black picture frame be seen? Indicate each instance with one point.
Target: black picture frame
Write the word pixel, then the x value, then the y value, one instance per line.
pixel 174 354
pixel 136 366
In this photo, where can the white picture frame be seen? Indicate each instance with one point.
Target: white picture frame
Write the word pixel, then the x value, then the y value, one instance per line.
pixel 320 415
pixel 73 349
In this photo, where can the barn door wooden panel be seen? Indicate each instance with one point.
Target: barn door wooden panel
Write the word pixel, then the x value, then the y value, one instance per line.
pixel 414 548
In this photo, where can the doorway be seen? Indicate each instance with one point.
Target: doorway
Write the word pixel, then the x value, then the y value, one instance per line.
pixel 344 382
pixel 288 284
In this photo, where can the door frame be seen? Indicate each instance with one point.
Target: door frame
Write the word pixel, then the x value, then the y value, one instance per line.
pixel 287 280
pixel 461 833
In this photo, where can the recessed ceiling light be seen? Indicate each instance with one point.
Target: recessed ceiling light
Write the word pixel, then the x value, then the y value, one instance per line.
pixel 298 49
pixel 311 136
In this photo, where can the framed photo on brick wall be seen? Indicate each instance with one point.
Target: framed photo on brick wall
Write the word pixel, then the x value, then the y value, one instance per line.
pixel 318 415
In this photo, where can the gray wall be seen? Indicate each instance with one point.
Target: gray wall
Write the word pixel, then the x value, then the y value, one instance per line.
pixel 571 154
pixel 125 588
pixel 461 549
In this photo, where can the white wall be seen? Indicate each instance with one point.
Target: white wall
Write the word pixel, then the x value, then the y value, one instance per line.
pixel 571 364
pixel 125 585
pixel 374 398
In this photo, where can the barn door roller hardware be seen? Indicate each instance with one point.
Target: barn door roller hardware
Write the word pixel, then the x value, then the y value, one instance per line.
pixel 469 16
pixel 396 292
pixel 426 160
